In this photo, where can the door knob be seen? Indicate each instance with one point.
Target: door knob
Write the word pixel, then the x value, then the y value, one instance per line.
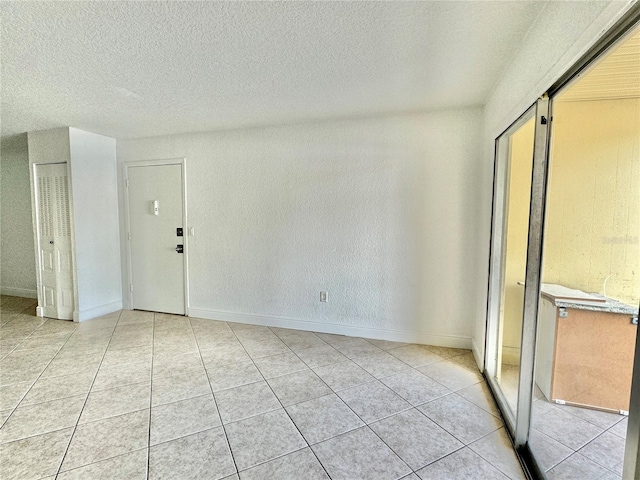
pixel 51 242
pixel 180 248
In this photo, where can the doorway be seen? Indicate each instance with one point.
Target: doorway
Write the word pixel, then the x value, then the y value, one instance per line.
pixel 156 238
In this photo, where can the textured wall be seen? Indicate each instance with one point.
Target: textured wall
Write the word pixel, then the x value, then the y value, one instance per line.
pixel 17 252
pixel 380 212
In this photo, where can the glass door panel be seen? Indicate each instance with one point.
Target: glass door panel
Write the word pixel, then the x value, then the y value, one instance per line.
pixel 511 227
pixel 591 271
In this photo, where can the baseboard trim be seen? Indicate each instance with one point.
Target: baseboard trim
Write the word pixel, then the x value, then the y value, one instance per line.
pixel 98 311
pixel 425 338
pixel 19 292
pixel 511 355
pixel 477 354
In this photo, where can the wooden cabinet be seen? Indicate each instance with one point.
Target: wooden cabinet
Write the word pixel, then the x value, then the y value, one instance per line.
pixel 585 351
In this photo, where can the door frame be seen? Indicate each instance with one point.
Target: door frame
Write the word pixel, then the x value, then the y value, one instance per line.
pixel 185 257
pixel 497 263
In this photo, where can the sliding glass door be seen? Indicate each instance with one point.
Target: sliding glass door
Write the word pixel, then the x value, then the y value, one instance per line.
pixel 562 329
pixel 519 183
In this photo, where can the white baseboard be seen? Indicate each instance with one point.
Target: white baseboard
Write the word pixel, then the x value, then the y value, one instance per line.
pixel 477 354
pixel 98 311
pixel 511 355
pixel 424 338
pixel 19 292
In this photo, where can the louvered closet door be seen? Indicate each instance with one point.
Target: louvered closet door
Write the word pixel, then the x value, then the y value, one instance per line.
pixel 54 230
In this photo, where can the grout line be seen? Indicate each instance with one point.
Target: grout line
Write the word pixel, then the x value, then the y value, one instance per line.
pixel 284 408
pixel 153 342
pixel 215 402
pixel 75 427
pixel 36 380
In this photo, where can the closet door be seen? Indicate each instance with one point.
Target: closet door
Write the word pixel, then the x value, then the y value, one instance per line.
pixel 54 241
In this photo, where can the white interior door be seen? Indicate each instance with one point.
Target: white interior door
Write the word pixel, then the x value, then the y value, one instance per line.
pixel 155 213
pixel 54 241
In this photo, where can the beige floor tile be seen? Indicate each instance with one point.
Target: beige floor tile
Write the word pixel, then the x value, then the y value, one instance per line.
pixel 343 375
pixel 182 418
pixel 297 465
pixel 262 438
pixel 496 449
pixel 202 455
pixel 547 451
pixel 171 389
pixel 461 465
pixel 280 364
pixel 578 466
pixel 607 450
pixel 480 395
pixel 461 418
pixel 417 440
pixel 116 401
pixel 451 375
pixel 225 354
pixel 130 466
pixel 381 364
pixel 10 395
pixel 53 388
pixel 233 375
pixel 34 457
pixel 359 455
pixel 298 387
pixel 172 365
pixel 415 355
pixel 246 401
pixel 79 365
pixel 415 387
pixel 373 401
pixel 321 356
pixel 42 418
pixel 121 375
pixel 107 438
pixel 323 418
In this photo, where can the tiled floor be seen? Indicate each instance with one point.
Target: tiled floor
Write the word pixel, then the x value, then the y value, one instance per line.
pixel 572 442
pixel 137 395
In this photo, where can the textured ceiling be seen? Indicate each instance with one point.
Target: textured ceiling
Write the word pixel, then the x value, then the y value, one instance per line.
pixel 131 69
pixel 616 75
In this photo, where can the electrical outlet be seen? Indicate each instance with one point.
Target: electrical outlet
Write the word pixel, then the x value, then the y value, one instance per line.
pixel 324 296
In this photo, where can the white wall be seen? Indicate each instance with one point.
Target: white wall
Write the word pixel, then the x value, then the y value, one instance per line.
pixel 92 171
pixel 380 212
pixel 561 34
pixel 96 223
pixel 17 253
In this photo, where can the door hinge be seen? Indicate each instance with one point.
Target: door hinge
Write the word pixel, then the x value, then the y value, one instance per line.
pixel 127 183
pixel 129 235
pixel 131 287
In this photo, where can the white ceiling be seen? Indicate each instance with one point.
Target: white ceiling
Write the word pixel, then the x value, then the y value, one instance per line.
pixel 131 69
